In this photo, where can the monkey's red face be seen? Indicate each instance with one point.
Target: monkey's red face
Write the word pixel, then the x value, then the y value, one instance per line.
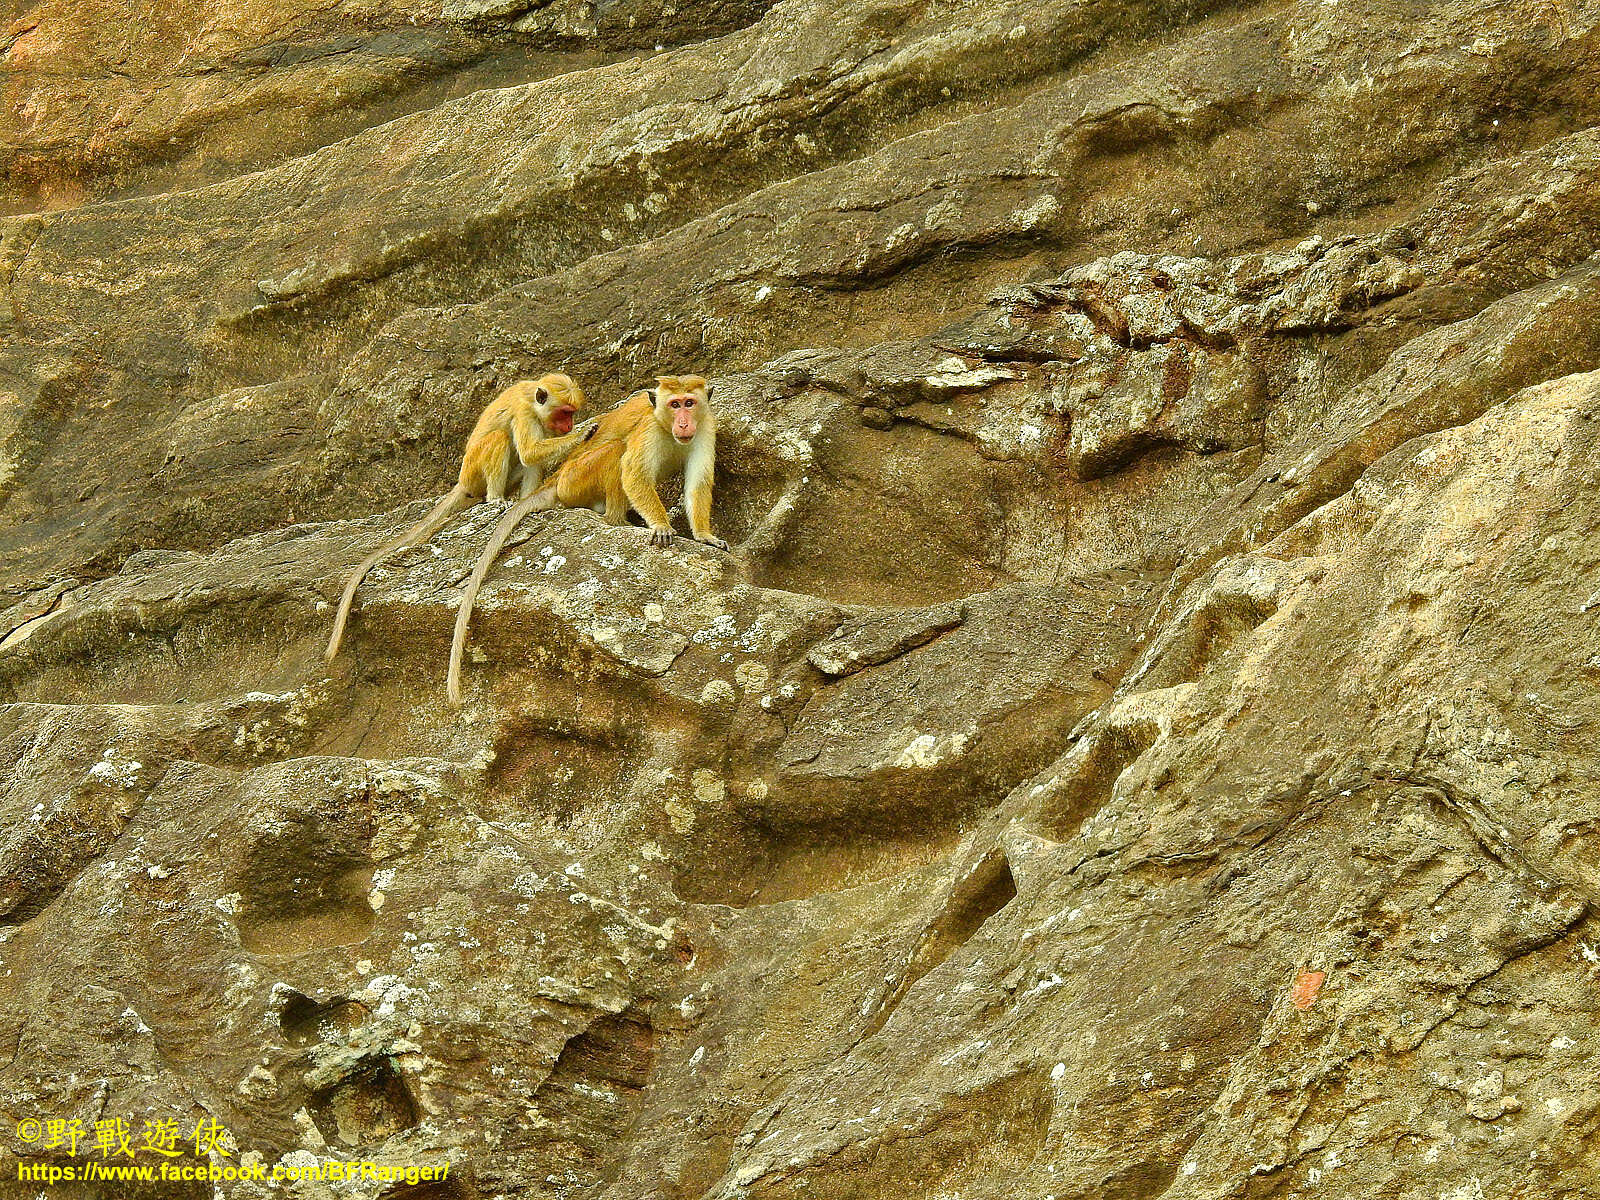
pixel 681 405
pixel 558 403
pixel 684 414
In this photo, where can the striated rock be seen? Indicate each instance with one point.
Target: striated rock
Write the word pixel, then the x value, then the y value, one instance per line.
pixel 1140 745
pixel 877 637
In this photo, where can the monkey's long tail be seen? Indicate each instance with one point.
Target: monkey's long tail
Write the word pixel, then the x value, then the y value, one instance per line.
pixel 453 502
pixel 497 539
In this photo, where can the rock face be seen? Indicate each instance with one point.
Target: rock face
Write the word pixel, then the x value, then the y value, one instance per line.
pixel 1143 742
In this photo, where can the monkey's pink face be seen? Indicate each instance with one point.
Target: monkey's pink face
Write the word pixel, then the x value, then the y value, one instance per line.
pixel 684 413
pixel 558 406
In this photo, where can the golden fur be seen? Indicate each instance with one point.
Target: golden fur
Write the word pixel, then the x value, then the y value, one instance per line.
pixel 651 434
pixel 524 430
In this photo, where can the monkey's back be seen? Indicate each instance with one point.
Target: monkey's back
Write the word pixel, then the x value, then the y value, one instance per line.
pixel 581 480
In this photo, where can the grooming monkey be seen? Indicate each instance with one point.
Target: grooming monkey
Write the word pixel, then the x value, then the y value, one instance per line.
pixel 652 434
pixel 524 430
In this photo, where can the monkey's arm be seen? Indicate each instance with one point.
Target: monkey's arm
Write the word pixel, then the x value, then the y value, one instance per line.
pixel 639 485
pixel 697 480
pixel 546 453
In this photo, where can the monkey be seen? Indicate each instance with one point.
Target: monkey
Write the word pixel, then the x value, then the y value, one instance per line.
pixel 655 433
pixel 650 435
pixel 524 430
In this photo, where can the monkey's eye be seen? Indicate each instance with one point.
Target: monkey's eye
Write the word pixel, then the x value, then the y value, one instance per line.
pixel 688 402
pixel 673 404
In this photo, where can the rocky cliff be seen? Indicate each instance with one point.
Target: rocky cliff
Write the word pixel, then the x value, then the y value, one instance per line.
pixel 1144 743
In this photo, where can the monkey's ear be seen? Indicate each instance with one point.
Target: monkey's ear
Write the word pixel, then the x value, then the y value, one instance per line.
pixel 708 391
pixel 540 395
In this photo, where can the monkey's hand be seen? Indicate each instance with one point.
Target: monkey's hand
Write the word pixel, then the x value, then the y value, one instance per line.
pixel 712 539
pixel 661 535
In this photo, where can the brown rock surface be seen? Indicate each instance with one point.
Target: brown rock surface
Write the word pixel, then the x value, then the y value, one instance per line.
pixel 1142 744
